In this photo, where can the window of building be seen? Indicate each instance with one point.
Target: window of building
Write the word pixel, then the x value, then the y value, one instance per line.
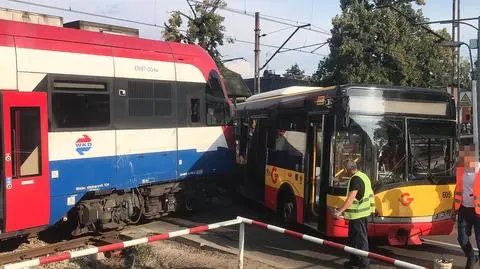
pixel 80 104
pixel 148 99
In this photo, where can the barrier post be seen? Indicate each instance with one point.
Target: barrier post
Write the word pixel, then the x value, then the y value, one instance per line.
pixel 241 243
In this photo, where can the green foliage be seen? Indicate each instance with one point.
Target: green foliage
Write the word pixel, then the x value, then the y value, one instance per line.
pixel 465 69
pixel 294 72
pixel 204 27
pixel 172 30
pixel 378 45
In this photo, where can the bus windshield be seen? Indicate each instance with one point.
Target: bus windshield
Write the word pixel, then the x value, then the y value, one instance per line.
pixel 396 149
pixel 429 143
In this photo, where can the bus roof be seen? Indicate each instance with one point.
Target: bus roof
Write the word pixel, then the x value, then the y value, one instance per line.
pixel 296 96
pixel 289 91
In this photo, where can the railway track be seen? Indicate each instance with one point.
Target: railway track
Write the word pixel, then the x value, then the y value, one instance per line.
pixel 99 240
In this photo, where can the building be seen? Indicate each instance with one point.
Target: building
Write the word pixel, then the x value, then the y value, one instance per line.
pixel 30 17
pixel 102 28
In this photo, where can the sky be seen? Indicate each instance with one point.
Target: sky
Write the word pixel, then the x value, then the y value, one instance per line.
pixel 240 27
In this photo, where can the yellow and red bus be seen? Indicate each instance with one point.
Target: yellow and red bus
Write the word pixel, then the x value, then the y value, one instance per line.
pixel 291 144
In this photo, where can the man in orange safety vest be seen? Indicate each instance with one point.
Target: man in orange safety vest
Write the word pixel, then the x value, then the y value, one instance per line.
pixel 467 203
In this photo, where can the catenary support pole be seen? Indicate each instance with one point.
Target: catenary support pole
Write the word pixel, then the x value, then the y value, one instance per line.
pixel 457 24
pixel 257 53
pixel 477 87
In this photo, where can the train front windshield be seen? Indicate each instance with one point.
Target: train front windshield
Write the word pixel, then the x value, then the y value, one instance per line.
pixel 396 149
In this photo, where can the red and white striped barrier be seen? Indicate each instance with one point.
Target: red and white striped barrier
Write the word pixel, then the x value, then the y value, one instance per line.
pixel 94 250
pixel 240 220
pixel 319 241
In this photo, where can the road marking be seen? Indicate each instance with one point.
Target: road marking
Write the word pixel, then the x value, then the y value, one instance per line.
pixel 445 244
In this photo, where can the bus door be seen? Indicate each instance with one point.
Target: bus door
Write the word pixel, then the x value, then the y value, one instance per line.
pixel 25 176
pixel 256 159
pixel 313 173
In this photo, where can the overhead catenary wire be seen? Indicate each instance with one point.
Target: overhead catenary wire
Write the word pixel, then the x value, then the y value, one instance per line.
pixel 88 13
pixel 279 30
pixel 276 47
pixel 270 18
pixel 141 23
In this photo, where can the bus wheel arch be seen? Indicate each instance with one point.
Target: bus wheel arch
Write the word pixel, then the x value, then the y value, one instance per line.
pixel 286 204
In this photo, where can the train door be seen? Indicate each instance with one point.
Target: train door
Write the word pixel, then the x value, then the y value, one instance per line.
pixel 314 171
pixel 25 160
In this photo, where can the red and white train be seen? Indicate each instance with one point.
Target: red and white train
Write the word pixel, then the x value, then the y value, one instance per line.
pixel 100 130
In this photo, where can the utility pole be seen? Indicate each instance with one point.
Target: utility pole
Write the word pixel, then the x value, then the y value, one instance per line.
pixel 454 50
pixel 256 82
pixel 477 92
pixel 457 23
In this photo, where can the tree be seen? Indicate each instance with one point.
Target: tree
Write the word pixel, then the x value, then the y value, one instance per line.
pixel 172 30
pixel 294 72
pixel 465 72
pixel 204 28
pixel 378 45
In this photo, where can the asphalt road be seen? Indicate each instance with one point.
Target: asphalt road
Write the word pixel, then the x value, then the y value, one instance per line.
pixel 282 251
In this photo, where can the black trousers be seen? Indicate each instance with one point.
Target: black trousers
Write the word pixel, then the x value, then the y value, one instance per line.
pixel 358 238
pixel 468 219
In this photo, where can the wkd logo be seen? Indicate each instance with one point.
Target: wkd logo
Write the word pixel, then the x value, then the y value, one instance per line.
pixel 83 144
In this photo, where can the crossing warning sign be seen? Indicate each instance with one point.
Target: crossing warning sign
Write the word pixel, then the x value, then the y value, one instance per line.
pixel 466 99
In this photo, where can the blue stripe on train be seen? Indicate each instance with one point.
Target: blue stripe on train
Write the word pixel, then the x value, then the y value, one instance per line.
pixel 78 176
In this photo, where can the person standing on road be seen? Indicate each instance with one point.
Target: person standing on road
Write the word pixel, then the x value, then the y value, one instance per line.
pixel 358 207
pixel 467 203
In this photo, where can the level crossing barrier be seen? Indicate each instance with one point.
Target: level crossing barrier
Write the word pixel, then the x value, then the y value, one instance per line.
pixel 238 221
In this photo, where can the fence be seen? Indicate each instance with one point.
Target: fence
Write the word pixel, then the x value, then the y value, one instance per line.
pixel 239 220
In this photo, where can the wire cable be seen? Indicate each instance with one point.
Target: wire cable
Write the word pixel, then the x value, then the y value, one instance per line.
pixel 146 23
pixel 270 18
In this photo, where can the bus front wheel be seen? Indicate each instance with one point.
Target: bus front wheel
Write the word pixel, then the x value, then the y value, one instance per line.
pixel 287 207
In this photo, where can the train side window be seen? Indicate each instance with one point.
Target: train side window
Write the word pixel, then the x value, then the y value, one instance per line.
pixel 195 109
pixel 80 104
pixel 26 141
pixel 147 99
pixel 217 106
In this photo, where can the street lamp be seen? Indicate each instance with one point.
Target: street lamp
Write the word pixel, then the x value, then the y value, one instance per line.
pixel 475 77
pixel 456 44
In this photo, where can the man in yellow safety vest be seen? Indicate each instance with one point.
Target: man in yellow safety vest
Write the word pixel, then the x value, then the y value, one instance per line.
pixel 358 207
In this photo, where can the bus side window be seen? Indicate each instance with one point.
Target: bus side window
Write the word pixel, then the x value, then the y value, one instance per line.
pixel 287 145
pixel 242 140
pixel 252 124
